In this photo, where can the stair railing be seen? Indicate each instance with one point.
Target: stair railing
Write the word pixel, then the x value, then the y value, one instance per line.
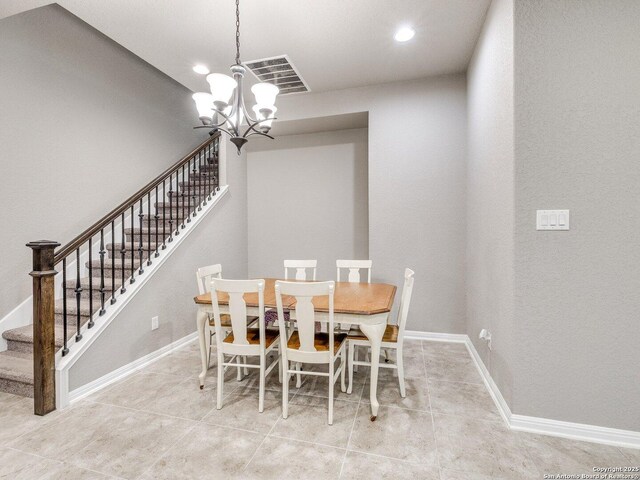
pixel 182 189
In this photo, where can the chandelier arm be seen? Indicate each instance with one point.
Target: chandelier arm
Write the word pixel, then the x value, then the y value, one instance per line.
pixel 253 126
pixel 255 132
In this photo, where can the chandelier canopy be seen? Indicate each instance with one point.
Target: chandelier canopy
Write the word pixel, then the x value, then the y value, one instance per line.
pixel 224 108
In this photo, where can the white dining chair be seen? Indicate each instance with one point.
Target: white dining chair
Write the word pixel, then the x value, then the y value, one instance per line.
pixel 204 275
pixel 301 269
pixel 353 276
pixel 354 267
pixel 242 341
pixel 305 345
pixel 392 339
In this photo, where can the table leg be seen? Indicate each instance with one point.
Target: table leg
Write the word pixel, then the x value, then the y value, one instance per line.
pixel 201 323
pixel 374 333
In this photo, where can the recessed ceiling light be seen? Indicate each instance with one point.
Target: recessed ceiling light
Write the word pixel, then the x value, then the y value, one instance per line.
pixel 201 69
pixel 404 34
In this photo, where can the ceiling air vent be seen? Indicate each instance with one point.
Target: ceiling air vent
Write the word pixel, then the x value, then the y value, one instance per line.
pixel 279 71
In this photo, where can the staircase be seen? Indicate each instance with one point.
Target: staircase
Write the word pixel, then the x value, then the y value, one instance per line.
pixel 141 240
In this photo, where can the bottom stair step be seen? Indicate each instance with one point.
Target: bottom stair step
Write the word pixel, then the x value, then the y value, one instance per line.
pixel 21 339
pixel 16 373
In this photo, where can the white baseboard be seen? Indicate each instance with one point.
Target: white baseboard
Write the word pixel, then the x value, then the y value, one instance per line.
pixel 129 369
pixel 545 426
pixel 436 337
pixel 523 423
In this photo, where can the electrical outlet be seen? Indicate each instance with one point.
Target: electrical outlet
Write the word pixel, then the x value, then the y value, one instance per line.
pixel 154 323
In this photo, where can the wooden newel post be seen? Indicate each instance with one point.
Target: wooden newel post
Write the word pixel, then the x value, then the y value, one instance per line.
pixel 44 346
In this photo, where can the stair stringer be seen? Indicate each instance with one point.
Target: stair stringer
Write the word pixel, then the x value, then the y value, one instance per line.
pixel 89 336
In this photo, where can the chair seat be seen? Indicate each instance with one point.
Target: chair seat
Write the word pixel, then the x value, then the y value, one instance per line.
pixel 321 341
pixel 253 337
pixel 390 334
pixel 225 320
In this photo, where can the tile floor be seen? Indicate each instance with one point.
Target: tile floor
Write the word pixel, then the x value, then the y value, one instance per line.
pixel 157 424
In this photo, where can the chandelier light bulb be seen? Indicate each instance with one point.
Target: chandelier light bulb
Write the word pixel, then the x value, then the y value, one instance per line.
pixel 222 87
pixel 265 93
pixel 260 111
pixel 204 105
pixel 404 34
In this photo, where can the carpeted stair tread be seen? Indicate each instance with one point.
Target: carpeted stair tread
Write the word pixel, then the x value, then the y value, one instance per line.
pixel 25 334
pixel 133 246
pixel 16 367
pixel 84 282
pixel 72 307
pixel 117 264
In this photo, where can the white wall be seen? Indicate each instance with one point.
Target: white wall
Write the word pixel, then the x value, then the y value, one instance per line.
pixel 85 124
pixel 490 195
pixel 417 186
pixel 577 146
pixel 307 198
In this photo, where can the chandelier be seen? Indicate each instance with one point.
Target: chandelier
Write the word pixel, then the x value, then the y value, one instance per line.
pixel 224 108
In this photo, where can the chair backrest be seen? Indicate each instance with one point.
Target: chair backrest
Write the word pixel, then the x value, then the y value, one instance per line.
pixel 305 313
pixel 405 300
pixel 204 276
pixel 354 267
pixel 301 268
pixel 236 289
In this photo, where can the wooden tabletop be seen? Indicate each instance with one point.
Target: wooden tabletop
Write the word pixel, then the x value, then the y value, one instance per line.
pixel 349 298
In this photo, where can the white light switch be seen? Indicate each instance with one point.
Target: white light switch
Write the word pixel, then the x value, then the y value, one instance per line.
pixel 552 220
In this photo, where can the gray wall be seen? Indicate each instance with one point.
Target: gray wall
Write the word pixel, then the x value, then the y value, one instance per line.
pixel 417 186
pixel 307 198
pixel 220 238
pixel 577 146
pixel 85 123
pixel 490 195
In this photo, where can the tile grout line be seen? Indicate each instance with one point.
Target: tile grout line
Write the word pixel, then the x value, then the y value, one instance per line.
pixel 353 426
pixel 433 421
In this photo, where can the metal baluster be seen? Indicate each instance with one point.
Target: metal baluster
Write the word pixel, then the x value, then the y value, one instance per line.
pixel 164 214
pixel 203 168
pixel 171 207
pixel 185 195
pixel 196 180
pixel 212 157
pixel 140 250
pixel 113 263
pixel 216 167
pixel 65 349
pixel 149 262
pixel 200 178
pixel 102 252
pixel 156 216
pixel 90 284
pixel 123 256
pixel 133 254
pixel 78 295
pixel 207 156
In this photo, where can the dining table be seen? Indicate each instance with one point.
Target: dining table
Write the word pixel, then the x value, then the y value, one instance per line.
pixel 366 305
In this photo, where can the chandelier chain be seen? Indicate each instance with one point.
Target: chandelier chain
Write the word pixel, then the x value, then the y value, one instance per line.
pixel 237 32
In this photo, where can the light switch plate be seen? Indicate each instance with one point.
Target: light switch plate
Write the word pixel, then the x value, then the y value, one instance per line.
pixel 552 220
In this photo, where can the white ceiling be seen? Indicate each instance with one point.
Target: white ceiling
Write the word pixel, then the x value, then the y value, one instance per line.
pixel 335 44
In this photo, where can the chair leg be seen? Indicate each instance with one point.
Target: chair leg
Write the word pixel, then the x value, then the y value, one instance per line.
pixel 220 380
pixel 285 388
pixel 246 369
pixel 386 355
pixel 239 363
pixel 357 357
pixel 400 364
pixel 262 383
pixel 299 379
pixel 210 345
pixel 330 415
pixel 280 369
pixel 343 365
pixel 351 366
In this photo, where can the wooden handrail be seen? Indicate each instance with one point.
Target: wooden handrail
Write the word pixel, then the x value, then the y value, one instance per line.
pixel 133 199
